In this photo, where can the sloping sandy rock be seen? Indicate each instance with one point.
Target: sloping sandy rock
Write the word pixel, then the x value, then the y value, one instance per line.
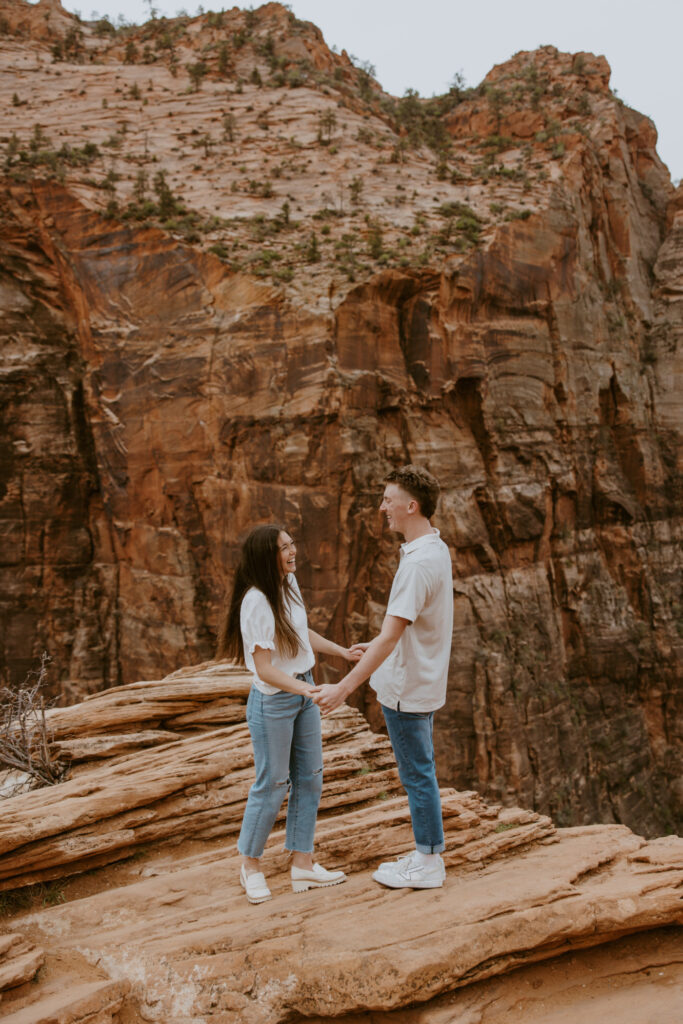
pixel 68 1001
pixel 195 783
pixel 192 947
pixel 19 960
pixel 636 980
pixel 173 931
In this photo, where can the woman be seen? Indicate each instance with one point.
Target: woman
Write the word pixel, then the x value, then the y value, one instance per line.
pixel 266 628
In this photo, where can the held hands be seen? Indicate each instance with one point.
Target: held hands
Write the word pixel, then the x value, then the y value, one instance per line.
pixel 328 697
pixel 354 652
pixel 331 695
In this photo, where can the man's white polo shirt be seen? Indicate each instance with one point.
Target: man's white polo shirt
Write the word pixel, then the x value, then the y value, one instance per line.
pixel 416 672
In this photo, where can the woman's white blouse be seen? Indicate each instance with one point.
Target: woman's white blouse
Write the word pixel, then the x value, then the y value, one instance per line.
pixel 257 624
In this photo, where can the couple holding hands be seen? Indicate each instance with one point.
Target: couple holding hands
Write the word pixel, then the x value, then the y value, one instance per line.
pixel 266 628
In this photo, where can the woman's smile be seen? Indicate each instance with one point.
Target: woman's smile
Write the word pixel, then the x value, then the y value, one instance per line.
pixel 286 554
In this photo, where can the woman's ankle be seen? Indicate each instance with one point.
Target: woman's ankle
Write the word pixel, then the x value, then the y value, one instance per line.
pixel 251 864
pixel 302 860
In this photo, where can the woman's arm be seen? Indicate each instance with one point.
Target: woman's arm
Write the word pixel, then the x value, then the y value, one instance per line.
pixel 331 695
pixel 323 646
pixel 268 673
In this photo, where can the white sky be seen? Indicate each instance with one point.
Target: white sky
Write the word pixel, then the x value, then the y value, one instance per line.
pixel 420 44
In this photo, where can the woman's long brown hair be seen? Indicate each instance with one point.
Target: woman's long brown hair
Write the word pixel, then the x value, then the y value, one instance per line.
pixel 258 567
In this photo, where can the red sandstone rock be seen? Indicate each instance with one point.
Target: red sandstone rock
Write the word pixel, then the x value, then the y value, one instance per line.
pixel 19 961
pixel 156 400
pixel 169 936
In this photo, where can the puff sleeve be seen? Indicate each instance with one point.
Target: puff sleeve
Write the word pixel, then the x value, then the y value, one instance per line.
pixel 257 622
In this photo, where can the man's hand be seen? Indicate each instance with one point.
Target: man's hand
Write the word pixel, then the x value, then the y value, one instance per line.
pixel 331 696
pixel 358 650
pixel 328 697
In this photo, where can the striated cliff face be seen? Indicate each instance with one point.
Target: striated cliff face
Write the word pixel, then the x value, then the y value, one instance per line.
pixel 333 297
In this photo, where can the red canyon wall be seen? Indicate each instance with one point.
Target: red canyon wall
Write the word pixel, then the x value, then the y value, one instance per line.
pixel 157 399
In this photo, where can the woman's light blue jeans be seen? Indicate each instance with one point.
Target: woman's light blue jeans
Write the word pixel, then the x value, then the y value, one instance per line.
pixel 411 736
pixel 288 756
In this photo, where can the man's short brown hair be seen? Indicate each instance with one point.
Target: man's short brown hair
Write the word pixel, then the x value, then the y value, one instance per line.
pixel 419 484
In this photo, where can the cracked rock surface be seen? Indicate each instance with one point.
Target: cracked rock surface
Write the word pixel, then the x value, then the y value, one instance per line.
pixel 155 926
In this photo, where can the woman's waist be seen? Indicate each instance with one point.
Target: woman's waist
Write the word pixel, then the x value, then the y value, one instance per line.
pixel 302 672
pixel 303 662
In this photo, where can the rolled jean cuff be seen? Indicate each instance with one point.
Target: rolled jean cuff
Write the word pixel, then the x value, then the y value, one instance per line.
pixel 436 848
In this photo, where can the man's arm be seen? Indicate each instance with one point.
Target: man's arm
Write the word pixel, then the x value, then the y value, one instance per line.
pixel 331 695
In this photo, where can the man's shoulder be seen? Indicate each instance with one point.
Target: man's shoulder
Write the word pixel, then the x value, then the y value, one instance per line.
pixel 428 565
pixel 434 552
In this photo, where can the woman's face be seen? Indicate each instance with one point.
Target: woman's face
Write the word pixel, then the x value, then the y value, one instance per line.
pixel 286 553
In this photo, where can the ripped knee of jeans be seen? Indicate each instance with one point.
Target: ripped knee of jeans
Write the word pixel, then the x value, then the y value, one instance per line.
pixel 300 778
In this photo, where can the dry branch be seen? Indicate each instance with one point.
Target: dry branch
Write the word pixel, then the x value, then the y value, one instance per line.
pixel 25 735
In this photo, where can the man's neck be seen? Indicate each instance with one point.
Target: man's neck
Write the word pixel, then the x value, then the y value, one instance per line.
pixel 417 527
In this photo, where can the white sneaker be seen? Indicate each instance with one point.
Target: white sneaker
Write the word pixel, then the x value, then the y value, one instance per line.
pixel 408 859
pixel 400 862
pixel 319 877
pixel 411 875
pixel 255 886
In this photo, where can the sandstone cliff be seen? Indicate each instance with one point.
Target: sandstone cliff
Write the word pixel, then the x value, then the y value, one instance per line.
pixel 159 777
pixel 325 282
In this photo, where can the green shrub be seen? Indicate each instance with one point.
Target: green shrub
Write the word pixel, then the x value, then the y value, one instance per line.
pixel 312 252
pixel 283 274
pixel 224 62
pixel 218 249
pixel 197 72
pixel 131 53
pixel 375 239
pixel 355 190
pixel 327 122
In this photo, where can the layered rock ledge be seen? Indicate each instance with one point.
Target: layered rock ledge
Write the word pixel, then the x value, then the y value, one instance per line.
pixel 160 775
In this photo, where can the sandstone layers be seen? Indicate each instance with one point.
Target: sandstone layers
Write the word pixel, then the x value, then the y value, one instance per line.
pixel 508 313
pixel 168 935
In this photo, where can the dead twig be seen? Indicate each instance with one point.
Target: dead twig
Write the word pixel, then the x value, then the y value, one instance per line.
pixel 24 733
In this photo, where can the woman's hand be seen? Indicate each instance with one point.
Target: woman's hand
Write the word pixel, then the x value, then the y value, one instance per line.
pixel 268 673
pixel 354 653
pixel 328 697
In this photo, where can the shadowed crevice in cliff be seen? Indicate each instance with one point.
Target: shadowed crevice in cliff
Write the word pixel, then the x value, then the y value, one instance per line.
pixel 615 415
pixel 50 509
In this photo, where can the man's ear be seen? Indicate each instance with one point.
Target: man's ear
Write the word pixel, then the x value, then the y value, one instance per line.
pixel 413 507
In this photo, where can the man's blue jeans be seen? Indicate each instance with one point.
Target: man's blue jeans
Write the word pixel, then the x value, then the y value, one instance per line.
pixel 412 739
pixel 288 755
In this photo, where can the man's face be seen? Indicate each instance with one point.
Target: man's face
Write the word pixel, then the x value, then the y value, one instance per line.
pixel 397 506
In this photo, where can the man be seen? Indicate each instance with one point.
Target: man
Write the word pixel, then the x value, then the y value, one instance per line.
pixel 408 667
